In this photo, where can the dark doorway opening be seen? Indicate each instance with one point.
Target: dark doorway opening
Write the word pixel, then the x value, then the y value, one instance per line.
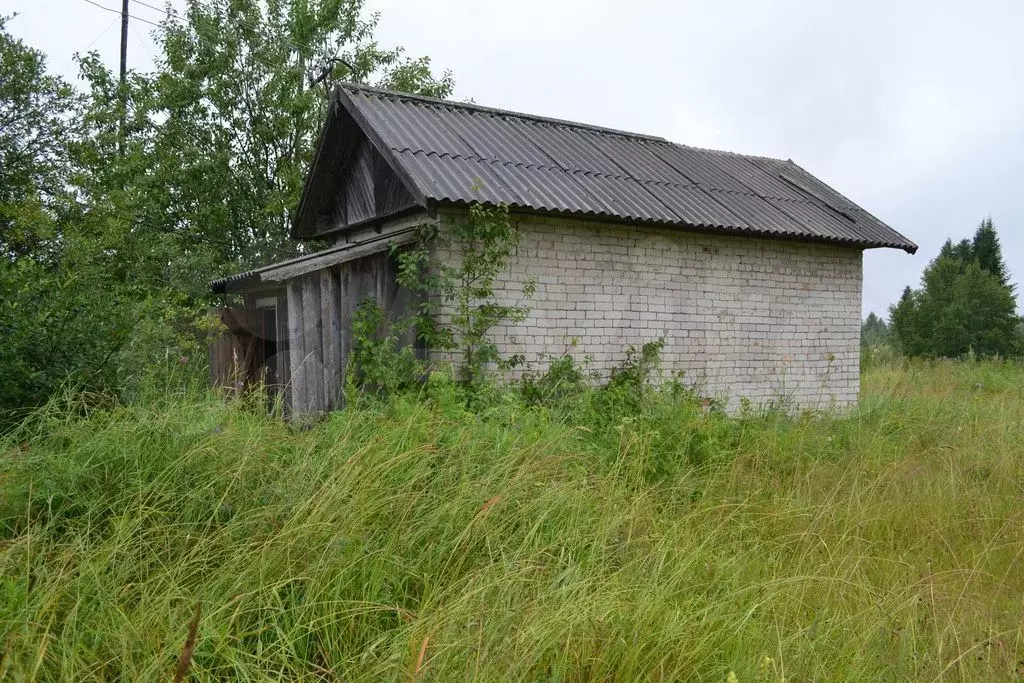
pixel 244 355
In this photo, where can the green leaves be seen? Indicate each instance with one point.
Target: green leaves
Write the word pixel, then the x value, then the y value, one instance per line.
pixel 240 119
pixel 380 364
pixel 451 272
pixel 965 305
pixel 119 204
pixel 34 128
pixel 480 244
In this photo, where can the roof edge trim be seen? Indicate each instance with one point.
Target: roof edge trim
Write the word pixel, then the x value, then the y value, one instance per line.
pixel 746 233
pixel 276 273
pixel 307 184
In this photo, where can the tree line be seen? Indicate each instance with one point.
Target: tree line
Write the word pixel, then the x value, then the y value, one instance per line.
pixel 965 305
pixel 120 201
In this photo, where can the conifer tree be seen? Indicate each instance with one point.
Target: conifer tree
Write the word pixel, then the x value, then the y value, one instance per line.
pixel 985 248
pixel 874 331
pixel 965 304
pixel 903 323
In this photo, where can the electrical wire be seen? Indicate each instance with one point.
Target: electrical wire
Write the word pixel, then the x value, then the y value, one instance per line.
pixel 264 62
pixel 117 11
pixel 91 43
pixel 152 7
pixel 142 42
pixel 246 24
pixel 313 78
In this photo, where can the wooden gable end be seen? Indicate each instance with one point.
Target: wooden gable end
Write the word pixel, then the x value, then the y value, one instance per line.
pixel 349 183
pixel 390 195
pixel 355 200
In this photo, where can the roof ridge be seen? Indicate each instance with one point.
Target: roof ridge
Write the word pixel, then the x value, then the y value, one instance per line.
pixel 495 111
pixel 727 153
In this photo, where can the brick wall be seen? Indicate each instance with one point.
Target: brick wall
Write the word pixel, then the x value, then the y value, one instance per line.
pixel 742 317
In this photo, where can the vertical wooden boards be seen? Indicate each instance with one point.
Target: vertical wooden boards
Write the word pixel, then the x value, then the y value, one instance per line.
pixel 217 350
pixel 357 186
pixel 318 311
pixel 312 335
pixel 345 309
pixel 284 369
pixel 380 273
pixel 389 193
pixel 237 354
pixel 220 353
pixel 330 311
pixel 296 350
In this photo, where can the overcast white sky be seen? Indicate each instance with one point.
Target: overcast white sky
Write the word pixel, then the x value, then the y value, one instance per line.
pixel 912 108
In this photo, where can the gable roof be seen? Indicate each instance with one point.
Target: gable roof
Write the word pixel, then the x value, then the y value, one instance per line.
pixel 452 153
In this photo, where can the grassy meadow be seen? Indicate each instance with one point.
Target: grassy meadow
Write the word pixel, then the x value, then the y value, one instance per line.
pixel 411 540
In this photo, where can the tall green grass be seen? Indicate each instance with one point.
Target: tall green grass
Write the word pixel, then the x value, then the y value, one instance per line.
pixel 413 540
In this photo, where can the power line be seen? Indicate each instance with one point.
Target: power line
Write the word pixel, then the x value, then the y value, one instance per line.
pixel 247 24
pixel 152 7
pixel 118 12
pixel 91 42
pixel 151 23
pixel 142 42
pixel 326 68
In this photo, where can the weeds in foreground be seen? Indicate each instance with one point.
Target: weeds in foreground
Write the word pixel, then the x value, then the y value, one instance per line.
pixel 412 539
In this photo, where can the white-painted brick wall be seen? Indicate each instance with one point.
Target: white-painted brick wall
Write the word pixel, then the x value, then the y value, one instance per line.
pixel 741 317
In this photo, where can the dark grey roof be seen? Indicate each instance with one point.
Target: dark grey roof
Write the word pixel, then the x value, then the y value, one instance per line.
pixel 458 153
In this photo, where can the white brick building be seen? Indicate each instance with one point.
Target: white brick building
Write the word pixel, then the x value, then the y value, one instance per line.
pixel 747 317
pixel 750 268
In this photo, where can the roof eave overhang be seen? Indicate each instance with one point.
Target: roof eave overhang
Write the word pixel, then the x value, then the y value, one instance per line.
pixel 908 247
pixel 342 98
pixel 275 274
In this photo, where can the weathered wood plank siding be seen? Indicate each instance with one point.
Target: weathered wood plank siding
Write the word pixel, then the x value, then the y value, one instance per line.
pixel 312 338
pixel 299 402
pixel 329 313
pixel 353 184
pixel 346 307
pixel 357 196
pixel 390 195
pixel 284 369
pixel 237 354
pixel 321 309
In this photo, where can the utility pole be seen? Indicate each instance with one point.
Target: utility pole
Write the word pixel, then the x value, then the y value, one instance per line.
pixel 124 76
pixel 124 40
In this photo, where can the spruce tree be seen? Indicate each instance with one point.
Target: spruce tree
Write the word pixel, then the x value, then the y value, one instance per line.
pixel 985 313
pixel 903 323
pixel 965 304
pixel 986 250
pixel 962 252
pixel 874 331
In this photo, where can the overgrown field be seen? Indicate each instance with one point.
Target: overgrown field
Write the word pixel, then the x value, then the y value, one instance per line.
pixel 416 541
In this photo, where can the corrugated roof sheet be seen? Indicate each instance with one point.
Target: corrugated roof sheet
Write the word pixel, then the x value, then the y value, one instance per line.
pixel 460 153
